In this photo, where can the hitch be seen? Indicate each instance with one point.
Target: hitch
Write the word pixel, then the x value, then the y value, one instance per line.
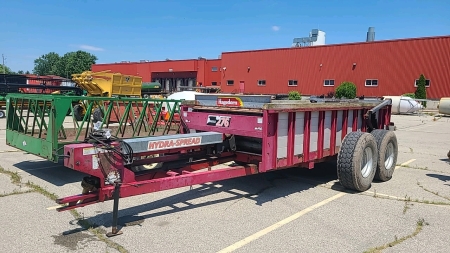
pixel 370 116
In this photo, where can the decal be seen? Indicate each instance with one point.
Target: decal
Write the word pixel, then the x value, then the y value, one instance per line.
pixel 218 121
pixel 95 162
pixel 174 143
pixel 94 150
pixel 229 101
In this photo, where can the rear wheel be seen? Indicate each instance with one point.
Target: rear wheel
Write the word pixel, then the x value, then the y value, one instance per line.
pixel 357 161
pixel 387 153
pixel 2 114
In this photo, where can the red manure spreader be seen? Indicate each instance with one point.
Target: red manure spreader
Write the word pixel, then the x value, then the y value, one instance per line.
pixel 255 132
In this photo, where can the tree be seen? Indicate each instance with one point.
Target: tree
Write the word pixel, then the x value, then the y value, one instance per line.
pixel 5 69
pixel 70 63
pixel 75 63
pixel 346 90
pixel 421 91
pixel 47 64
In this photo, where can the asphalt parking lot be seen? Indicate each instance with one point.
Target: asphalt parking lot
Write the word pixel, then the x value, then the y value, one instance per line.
pixel 295 210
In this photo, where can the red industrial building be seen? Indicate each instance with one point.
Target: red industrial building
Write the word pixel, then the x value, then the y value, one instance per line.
pixel 172 74
pixel 378 68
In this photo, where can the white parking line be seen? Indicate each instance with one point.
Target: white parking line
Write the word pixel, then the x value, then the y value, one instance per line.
pixel 9 151
pixel 53 207
pixel 279 224
pixel 289 219
pixel 405 163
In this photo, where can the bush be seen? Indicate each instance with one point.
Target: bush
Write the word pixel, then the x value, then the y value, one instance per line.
pixel 346 90
pixel 411 95
pixel 294 95
pixel 421 91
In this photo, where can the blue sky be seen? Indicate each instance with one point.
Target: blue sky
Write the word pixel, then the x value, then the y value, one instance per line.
pixel 133 30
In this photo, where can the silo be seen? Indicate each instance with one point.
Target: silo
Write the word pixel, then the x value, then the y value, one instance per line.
pixel 370 34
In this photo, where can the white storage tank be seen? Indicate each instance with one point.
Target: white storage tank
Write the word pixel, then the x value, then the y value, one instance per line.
pixel 444 106
pixel 320 38
pixel 403 104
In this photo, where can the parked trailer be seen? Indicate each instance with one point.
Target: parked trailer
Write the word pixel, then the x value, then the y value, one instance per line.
pixel 258 134
pixel 38 123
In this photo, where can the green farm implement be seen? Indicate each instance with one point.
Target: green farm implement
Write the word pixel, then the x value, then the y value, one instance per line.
pixel 40 124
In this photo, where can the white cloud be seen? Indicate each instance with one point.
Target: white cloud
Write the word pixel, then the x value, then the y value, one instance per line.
pixel 275 28
pixel 90 48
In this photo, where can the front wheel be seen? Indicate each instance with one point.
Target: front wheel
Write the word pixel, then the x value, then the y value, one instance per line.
pixel 357 161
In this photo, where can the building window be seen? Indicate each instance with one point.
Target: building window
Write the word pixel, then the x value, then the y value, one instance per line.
pixel 214 83
pixel 427 83
pixel 328 82
pixel 230 82
pixel 261 82
pixel 214 69
pixel 371 82
pixel 292 83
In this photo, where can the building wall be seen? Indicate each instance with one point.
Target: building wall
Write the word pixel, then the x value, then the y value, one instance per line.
pixel 206 71
pixel 174 66
pixel 212 73
pixel 124 68
pixel 394 64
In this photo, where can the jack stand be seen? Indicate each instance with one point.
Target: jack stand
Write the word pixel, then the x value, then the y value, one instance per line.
pixel 115 231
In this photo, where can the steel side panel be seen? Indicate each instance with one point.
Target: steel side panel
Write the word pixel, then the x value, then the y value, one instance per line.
pixel 282 138
pixel 239 124
pixel 340 116
pixel 327 130
pixel 350 121
pixel 360 119
pixel 314 129
pixel 299 126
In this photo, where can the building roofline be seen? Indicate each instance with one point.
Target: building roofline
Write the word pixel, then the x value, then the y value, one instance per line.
pixel 343 44
pixel 170 60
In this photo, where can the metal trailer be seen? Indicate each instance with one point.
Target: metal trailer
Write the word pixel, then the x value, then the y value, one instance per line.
pixel 258 134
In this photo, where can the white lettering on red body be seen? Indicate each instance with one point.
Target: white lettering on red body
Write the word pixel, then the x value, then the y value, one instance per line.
pixel 175 143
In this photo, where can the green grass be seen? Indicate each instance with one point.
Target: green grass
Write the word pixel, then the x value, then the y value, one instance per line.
pixel 419 226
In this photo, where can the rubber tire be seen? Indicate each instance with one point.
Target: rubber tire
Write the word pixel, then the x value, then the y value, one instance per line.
pixel 97 115
pixel 383 138
pixel 78 112
pixel 349 161
pixel 2 114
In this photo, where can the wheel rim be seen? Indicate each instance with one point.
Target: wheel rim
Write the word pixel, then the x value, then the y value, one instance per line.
pixel 389 158
pixel 366 162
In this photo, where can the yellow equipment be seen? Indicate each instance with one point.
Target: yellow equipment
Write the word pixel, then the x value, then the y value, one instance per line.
pixel 108 84
pixel 104 84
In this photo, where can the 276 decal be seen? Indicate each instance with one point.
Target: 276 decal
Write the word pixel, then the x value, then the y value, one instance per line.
pixel 219 121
